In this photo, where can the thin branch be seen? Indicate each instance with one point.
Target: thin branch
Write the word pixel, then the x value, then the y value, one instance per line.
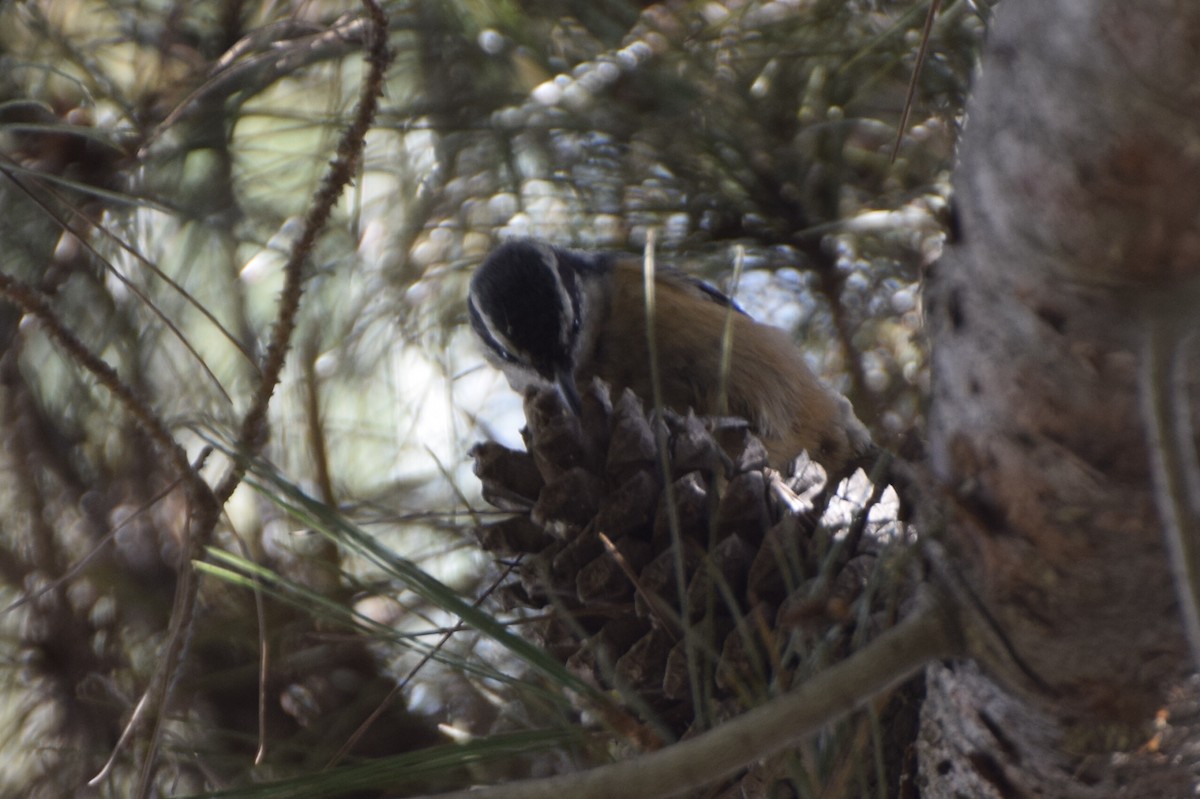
pixel 129 284
pixel 76 568
pixel 660 437
pixel 264 648
pixel 46 183
pixel 280 58
pixel 316 428
pixel 341 171
pixel 154 695
pixel 780 724
pixel 399 687
pixel 254 425
pixel 922 52
pixel 36 304
pixel 200 497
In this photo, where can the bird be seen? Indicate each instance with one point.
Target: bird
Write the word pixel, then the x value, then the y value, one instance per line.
pixel 556 318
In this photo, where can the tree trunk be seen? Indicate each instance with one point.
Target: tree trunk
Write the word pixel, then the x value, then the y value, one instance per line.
pixel 1078 203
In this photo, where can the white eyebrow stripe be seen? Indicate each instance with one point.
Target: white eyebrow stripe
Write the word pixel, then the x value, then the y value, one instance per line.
pixel 567 321
pixel 503 341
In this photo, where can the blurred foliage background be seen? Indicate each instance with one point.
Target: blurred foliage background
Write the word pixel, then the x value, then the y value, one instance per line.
pixel 157 161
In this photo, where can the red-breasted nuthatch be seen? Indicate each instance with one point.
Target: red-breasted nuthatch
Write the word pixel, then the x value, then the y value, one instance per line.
pixel 556 318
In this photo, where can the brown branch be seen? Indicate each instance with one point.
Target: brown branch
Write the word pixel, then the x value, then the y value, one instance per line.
pixel 36 304
pixel 204 505
pixel 922 51
pixel 341 171
pixel 240 72
pixel 254 425
pixel 776 726
pixel 316 430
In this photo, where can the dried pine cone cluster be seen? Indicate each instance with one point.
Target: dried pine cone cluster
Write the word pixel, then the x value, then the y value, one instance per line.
pixel 766 584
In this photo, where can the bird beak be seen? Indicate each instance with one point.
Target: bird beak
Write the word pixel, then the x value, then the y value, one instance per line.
pixel 566 387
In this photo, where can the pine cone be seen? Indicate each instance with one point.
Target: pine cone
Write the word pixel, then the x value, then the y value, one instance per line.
pixel 603 540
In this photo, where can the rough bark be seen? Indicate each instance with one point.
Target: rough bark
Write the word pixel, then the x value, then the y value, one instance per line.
pixel 1078 204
